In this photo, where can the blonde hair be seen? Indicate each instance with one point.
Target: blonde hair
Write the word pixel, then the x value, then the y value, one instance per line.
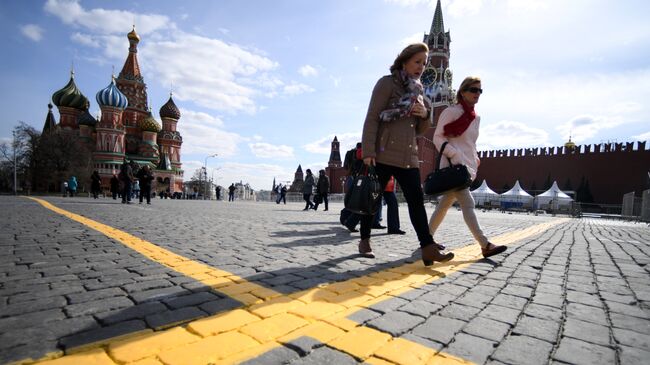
pixel 407 53
pixel 469 80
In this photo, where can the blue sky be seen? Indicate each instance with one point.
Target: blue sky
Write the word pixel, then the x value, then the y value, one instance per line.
pixel 267 84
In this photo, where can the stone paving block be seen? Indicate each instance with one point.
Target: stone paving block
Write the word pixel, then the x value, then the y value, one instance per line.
pixel 33 350
pixel 586 331
pixel 501 314
pixel 586 313
pixel 97 306
pixel 458 311
pixel 623 299
pixel 438 297
pixel 630 310
pixel 579 352
pixel 631 355
pixel 388 305
pixel 93 295
pixel 632 339
pixel 630 323
pixel 158 294
pixel 477 300
pixel 542 329
pixel 543 312
pixel 133 349
pixel 523 350
pixel 139 311
pixel 191 299
pixel 102 334
pixel 172 317
pixel 437 346
pixel 395 323
pixel 439 329
pixel 363 315
pixel 277 356
pixel 518 290
pixel 208 350
pixel 471 348
pixel 420 308
pixel 31 319
pixel 401 351
pixel 510 301
pixel 147 285
pixel 34 295
pixel 487 328
pixel 37 305
pixel 325 355
pixel 303 345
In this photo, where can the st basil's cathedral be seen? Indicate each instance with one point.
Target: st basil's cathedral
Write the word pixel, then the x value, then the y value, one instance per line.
pixel 126 128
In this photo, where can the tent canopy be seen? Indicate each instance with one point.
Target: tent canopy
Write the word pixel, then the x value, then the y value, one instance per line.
pixel 516 194
pixel 555 192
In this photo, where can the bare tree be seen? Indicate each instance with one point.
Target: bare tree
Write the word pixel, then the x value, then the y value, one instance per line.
pixel 61 154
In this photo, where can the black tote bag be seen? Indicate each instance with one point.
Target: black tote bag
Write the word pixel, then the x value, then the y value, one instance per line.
pixel 451 178
pixel 364 194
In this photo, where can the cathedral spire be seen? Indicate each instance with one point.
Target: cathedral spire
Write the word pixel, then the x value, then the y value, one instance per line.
pixel 437 26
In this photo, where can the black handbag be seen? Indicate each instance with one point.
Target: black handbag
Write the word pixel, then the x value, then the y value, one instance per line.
pixel 364 194
pixel 451 178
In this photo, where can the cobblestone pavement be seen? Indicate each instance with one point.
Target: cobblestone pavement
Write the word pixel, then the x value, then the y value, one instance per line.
pixel 199 282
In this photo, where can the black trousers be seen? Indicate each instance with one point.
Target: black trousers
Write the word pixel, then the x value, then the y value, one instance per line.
pixel 409 181
pixel 145 193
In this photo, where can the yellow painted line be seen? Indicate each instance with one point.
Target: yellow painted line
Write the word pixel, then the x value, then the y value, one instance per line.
pixel 266 323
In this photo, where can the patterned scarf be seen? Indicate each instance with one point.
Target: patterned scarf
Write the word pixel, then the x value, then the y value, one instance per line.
pixel 460 125
pixel 403 107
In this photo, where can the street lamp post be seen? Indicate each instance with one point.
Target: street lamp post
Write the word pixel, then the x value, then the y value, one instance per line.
pixel 205 171
pixel 15 167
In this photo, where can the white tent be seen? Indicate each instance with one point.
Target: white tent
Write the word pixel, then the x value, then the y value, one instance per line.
pixel 553 198
pixel 516 198
pixel 483 195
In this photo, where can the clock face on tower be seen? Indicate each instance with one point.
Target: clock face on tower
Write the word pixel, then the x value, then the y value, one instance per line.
pixel 429 76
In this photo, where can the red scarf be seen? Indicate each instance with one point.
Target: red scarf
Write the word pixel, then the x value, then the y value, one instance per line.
pixel 460 125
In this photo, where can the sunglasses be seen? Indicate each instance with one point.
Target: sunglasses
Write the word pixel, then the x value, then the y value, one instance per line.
pixel 475 90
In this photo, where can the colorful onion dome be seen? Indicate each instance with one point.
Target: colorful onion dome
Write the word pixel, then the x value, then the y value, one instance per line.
pixel 169 110
pixel 112 96
pixel 149 124
pixel 133 35
pixel 87 119
pixel 69 96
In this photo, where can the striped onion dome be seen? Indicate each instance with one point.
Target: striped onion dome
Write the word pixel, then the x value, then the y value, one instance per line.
pixel 149 124
pixel 69 96
pixel 170 110
pixel 112 96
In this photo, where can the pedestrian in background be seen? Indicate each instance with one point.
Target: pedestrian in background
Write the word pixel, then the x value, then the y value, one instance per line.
pixel 397 113
pixel 218 192
pixel 458 125
pixel 136 187
pixel 115 186
pixel 145 177
pixel 72 186
pixel 307 189
pixel 283 194
pixel 126 178
pixel 95 184
pixel 64 188
pixel 322 190
pixel 231 192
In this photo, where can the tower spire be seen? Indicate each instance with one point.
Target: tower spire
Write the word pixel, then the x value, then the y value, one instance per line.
pixel 437 26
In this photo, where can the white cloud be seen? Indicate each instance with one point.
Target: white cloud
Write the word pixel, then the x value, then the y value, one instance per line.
pixel 411 2
pixel 297 88
pixel 32 31
pixel 461 8
pixel 105 21
pixel 642 137
pixel 510 134
pixel 201 131
pixel 584 127
pixel 526 6
pixel 259 176
pixel 266 150
pixel 85 39
pixel 307 71
pixel 413 38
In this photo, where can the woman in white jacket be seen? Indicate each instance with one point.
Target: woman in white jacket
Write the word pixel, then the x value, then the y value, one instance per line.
pixel 458 125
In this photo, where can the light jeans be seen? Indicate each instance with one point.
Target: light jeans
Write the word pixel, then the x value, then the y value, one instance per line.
pixel 466 202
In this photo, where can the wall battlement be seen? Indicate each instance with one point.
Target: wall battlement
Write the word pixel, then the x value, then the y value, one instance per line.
pixel 562 150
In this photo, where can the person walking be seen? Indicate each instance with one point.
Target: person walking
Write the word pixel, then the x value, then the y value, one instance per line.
pixel 322 190
pixel 64 188
pixel 115 186
pixel 459 127
pixel 72 186
pixel 145 177
pixel 392 208
pixel 231 192
pixel 126 177
pixel 218 192
pixel 136 187
pixel 307 189
pixel 95 184
pixel 397 113
pixel 283 194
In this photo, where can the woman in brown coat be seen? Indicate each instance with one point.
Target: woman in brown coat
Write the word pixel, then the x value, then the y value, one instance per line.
pixel 398 111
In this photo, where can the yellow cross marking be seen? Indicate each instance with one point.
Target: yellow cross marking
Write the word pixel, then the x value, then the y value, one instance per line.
pixel 269 318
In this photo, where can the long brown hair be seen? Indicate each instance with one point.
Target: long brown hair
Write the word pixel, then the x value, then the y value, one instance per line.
pixel 407 53
pixel 469 80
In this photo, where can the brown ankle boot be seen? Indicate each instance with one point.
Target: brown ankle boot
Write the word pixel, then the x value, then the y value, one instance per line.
pixel 364 248
pixel 430 253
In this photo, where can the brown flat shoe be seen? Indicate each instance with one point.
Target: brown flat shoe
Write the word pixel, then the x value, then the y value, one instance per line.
pixel 430 253
pixel 492 249
pixel 364 248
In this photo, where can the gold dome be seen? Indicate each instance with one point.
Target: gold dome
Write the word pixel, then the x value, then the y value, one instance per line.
pixel 133 35
pixel 570 145
pixel 149 124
